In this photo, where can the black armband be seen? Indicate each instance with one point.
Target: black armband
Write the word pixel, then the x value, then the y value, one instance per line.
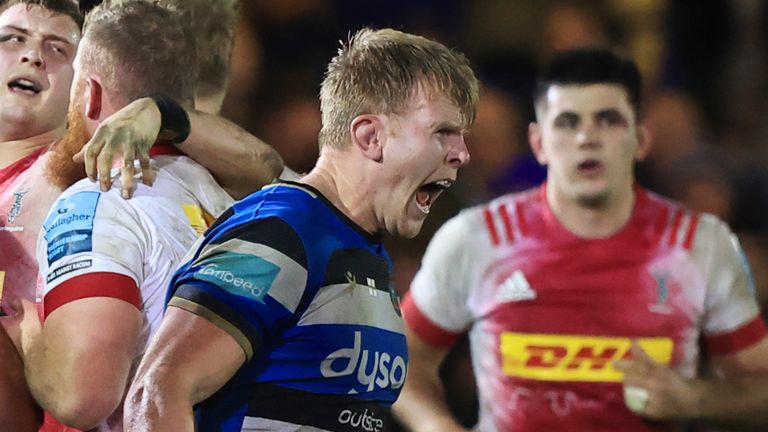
pixel 174 120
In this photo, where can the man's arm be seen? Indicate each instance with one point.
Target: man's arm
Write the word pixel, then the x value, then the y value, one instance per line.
pixel 737 394
pixel 239 161
pixel 78 365
pixel 421 405
pixel 188 360
pixel 18 411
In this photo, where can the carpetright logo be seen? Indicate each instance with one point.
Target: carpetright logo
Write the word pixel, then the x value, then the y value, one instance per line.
pixel 373 369
pixel 365 420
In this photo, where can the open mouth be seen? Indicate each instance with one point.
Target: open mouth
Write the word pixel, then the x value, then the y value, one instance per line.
pixel 590 167
pixel 25 85
pixel 428 193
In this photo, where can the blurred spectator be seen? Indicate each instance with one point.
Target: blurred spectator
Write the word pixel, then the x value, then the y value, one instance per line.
pixel 501 160
pixel 681 164
pixel 245 76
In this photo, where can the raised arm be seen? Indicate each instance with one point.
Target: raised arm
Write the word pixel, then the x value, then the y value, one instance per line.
pixel 239 161
pixel 421 405
pixel 189 359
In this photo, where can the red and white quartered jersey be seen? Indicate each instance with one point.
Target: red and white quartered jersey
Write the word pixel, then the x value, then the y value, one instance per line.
pixel 97 244
pixel 547 312
pixel 25 197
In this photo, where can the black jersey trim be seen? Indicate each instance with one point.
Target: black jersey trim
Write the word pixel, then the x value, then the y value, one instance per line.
pixel 374 238
pixel 195 300
pixel 342 413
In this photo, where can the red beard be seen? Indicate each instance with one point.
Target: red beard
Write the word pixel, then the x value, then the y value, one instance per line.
pixel 60 170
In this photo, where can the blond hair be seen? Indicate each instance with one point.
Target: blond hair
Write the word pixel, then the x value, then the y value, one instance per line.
pixel 139 49
pixel 379 71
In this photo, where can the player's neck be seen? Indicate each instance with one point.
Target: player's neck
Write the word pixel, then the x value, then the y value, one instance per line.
pixel 342 191
pixel 12 150
pixel 593 222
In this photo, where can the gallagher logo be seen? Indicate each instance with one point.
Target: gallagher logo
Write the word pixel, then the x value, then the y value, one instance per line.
pixel 573 358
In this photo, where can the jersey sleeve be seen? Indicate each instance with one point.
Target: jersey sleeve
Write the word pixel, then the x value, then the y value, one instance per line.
pixel 91 245
pixel 248 281
pixel 732 318
pixel 435 307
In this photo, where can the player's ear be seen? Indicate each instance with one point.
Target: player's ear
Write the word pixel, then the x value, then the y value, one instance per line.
pixel 644 142
pixel 367 132
pixel 93 98
pixel 534 138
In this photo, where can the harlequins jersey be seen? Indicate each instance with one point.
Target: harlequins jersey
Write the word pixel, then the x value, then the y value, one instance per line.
pixel 548 312
pixel 25 197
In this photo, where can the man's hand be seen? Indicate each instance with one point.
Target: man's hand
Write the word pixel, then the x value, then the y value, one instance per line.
pixel 129 133
pixel 655 391
pixel 22 324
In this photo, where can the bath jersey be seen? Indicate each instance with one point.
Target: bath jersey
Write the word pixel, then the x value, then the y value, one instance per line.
pixel 308 295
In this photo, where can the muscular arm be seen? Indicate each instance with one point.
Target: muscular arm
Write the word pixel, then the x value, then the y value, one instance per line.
pixel 239 161
pixel 189 359
pixel 18 411
pixel 78 367
pixel 421 405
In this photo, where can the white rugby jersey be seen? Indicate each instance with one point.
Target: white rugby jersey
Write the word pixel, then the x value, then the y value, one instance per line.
pixel 97 244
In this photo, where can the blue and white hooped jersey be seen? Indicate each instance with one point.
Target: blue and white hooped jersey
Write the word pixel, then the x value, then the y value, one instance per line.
pixel 308 295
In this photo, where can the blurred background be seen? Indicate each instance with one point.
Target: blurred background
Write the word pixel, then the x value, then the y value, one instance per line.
pixel 705 66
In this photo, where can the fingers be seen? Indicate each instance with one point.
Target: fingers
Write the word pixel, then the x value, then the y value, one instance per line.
pixel 127 172
pixel 147 175
pixel 79 157
pixel 104 168
pixel 89 153
pixel 639 354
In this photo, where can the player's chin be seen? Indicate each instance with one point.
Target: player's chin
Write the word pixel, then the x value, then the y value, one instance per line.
pixel 409 227
pixel 593 197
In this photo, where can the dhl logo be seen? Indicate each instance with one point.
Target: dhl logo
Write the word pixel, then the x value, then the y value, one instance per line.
pixel 573 358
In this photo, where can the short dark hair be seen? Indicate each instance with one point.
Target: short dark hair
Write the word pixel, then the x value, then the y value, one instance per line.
pixel 140 49
pixel 593 65
pixel 64 7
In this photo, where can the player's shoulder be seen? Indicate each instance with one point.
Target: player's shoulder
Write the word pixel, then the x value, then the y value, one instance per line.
pixel 284 198
pixel 299 205
pixel 517 201
pixel 691 227
pixel 86 194
pixel 506 217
